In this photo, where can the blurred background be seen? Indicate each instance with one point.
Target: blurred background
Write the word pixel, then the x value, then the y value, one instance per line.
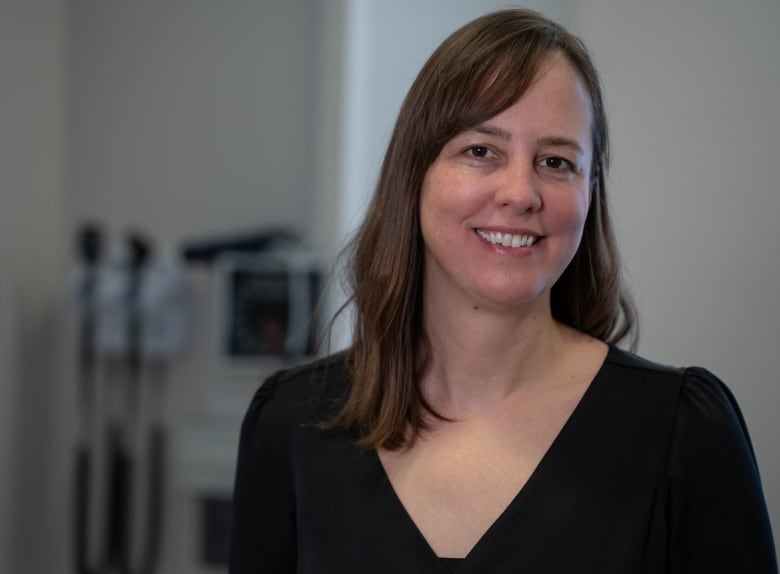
pixel 195 126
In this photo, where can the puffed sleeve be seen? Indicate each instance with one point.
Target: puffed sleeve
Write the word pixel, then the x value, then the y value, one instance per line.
pixel 263 531
pixel 718 517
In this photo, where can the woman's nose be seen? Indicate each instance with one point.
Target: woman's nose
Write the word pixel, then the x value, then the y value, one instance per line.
pixel 518 188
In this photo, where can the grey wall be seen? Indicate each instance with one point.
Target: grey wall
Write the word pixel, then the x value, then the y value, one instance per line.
pixel 190 117
pixel 691 94
pixel 31 74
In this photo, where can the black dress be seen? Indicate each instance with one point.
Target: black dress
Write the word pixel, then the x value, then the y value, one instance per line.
pixel 653 473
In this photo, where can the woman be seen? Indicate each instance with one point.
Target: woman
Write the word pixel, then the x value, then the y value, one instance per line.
pixel 483 420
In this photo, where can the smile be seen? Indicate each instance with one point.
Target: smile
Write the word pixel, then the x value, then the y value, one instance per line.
pixel 507 239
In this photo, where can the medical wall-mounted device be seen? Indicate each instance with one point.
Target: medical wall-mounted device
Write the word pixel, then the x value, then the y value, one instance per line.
pixel 267 306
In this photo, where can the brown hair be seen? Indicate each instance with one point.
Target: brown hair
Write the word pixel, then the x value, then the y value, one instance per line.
pixel 475 74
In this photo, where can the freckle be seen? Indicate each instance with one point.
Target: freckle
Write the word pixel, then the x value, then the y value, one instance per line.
pixel 476 308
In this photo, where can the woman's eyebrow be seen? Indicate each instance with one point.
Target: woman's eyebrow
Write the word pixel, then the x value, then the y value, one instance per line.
pixel 559 141
pixel 489 130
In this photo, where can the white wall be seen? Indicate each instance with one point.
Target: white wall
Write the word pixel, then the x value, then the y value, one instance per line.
pixel 31 41
pixel 692 97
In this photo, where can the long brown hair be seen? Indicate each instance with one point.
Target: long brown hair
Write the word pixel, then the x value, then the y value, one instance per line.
pixel 475 74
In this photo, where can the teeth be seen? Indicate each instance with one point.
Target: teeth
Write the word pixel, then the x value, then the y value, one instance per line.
pixel 507 239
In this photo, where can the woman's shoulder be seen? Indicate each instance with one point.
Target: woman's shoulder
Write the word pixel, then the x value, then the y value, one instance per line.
pixel 697 393
pixel 691 378
pixel 306 393
pixel 633 364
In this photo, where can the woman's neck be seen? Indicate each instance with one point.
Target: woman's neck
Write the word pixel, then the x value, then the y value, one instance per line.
pixel 480 356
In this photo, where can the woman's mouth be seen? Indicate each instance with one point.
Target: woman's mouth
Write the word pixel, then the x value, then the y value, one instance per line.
pixel 508 239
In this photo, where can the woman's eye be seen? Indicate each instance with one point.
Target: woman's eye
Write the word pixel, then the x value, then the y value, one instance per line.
pixel 478 151
pixel 558 164
pixel 558 168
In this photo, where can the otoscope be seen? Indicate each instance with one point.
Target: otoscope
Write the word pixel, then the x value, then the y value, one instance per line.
pixel 144 452
pixel 120 458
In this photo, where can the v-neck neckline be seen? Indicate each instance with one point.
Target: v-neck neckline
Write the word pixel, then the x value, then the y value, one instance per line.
pixel 522 494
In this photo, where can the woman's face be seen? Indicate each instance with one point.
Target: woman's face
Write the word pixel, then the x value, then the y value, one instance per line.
pixel 503 206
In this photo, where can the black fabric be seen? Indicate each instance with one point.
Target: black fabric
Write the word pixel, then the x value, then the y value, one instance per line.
pixel 451 564
pixel 653 473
